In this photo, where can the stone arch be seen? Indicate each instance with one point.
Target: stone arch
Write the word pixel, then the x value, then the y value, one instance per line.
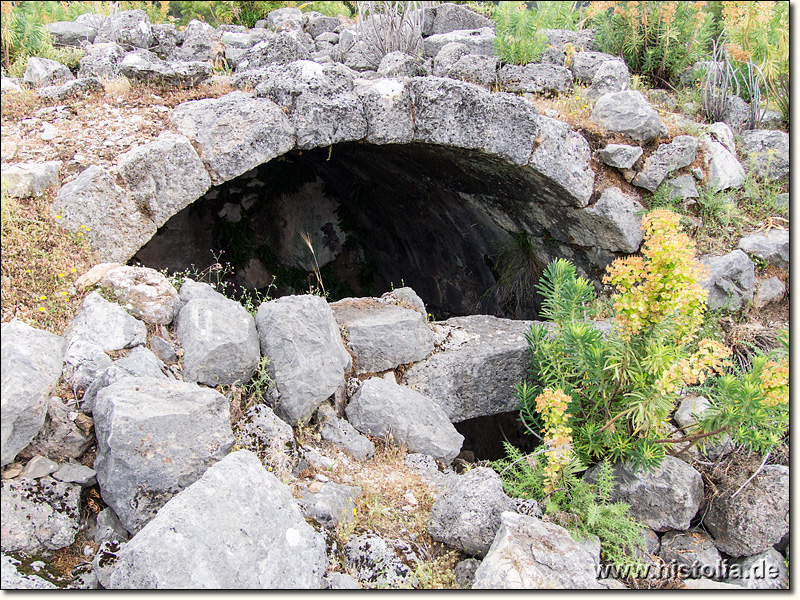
pixel 504 167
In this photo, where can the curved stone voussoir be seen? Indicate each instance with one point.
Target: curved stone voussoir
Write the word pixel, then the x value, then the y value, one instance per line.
pixel 118 226
pixel 235 133
pixel 387 109
pixel 456 113
pixel 563 159
pixel 319 100
pixel 165 175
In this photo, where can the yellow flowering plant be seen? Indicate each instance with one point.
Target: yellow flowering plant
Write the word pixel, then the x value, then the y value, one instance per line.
pixel 610 395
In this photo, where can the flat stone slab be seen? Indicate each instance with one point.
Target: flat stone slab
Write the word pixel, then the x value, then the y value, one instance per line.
pixel 382 336
pixel 478 362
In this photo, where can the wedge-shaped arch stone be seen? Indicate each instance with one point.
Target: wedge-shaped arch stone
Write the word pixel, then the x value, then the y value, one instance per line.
pixel 165 175
pixel 387 108
pixel 118 226
pixel 456 113
pixel 236 527
pixel 234 133
pixel 319 100
pixel 562 159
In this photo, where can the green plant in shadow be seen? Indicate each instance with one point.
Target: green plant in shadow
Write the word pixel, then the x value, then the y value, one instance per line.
pixel 518 269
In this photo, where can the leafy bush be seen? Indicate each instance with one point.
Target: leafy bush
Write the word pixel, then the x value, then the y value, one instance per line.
pixel 517 41
pixel 752 404
pixel 622 387
pixel 560 15
pixel 657 39
pixel 584 510
pixel 609 397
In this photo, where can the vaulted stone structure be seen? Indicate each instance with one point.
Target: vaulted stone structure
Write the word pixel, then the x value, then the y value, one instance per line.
pixel 425 181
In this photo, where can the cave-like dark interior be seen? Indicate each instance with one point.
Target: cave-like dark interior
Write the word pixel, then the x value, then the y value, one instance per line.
pixel 433 218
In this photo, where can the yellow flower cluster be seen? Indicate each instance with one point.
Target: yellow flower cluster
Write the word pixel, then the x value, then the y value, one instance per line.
pixel 775 383
pixel 710 355
pixel 663 283
pixel 552 405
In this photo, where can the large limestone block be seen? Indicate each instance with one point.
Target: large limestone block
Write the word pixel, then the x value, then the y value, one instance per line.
pixel 106 324
pixel 236 527
pixel 219 340
pixel 165 175
pixel 30 366
pixel 455 113
pixel 467 514
pixel 39 515
pixel 155 438
pixel 665 498
pixel 235 132
pixel 147 293
pixel 383 408
pixel 528 553
pixel 382 336
pixel 475 373
pixel 731 280
pixel 563 157
pixel 756 519
pixel 299 336
pixel 319 100
pixel 628 112
pixel 118 226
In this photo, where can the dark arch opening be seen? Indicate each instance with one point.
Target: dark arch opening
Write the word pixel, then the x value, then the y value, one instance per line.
pixel 444 221
pixel 484 436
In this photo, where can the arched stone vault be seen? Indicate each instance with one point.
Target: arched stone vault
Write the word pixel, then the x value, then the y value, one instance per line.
pixel 447 171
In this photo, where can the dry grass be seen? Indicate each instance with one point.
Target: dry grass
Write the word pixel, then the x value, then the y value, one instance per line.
pixel 66 560
pixel 40 265
pixel 395 502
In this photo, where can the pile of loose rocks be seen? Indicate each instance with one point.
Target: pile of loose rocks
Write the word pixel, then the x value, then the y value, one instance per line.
pixel 184 509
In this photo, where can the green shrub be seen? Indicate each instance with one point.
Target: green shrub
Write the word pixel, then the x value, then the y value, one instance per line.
pixel 517 41
pixel 658 40
pixel 583 509
pixel 624 385
pixel 758 33
pixel 559 15
pixel 612 394
pixel 751 404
